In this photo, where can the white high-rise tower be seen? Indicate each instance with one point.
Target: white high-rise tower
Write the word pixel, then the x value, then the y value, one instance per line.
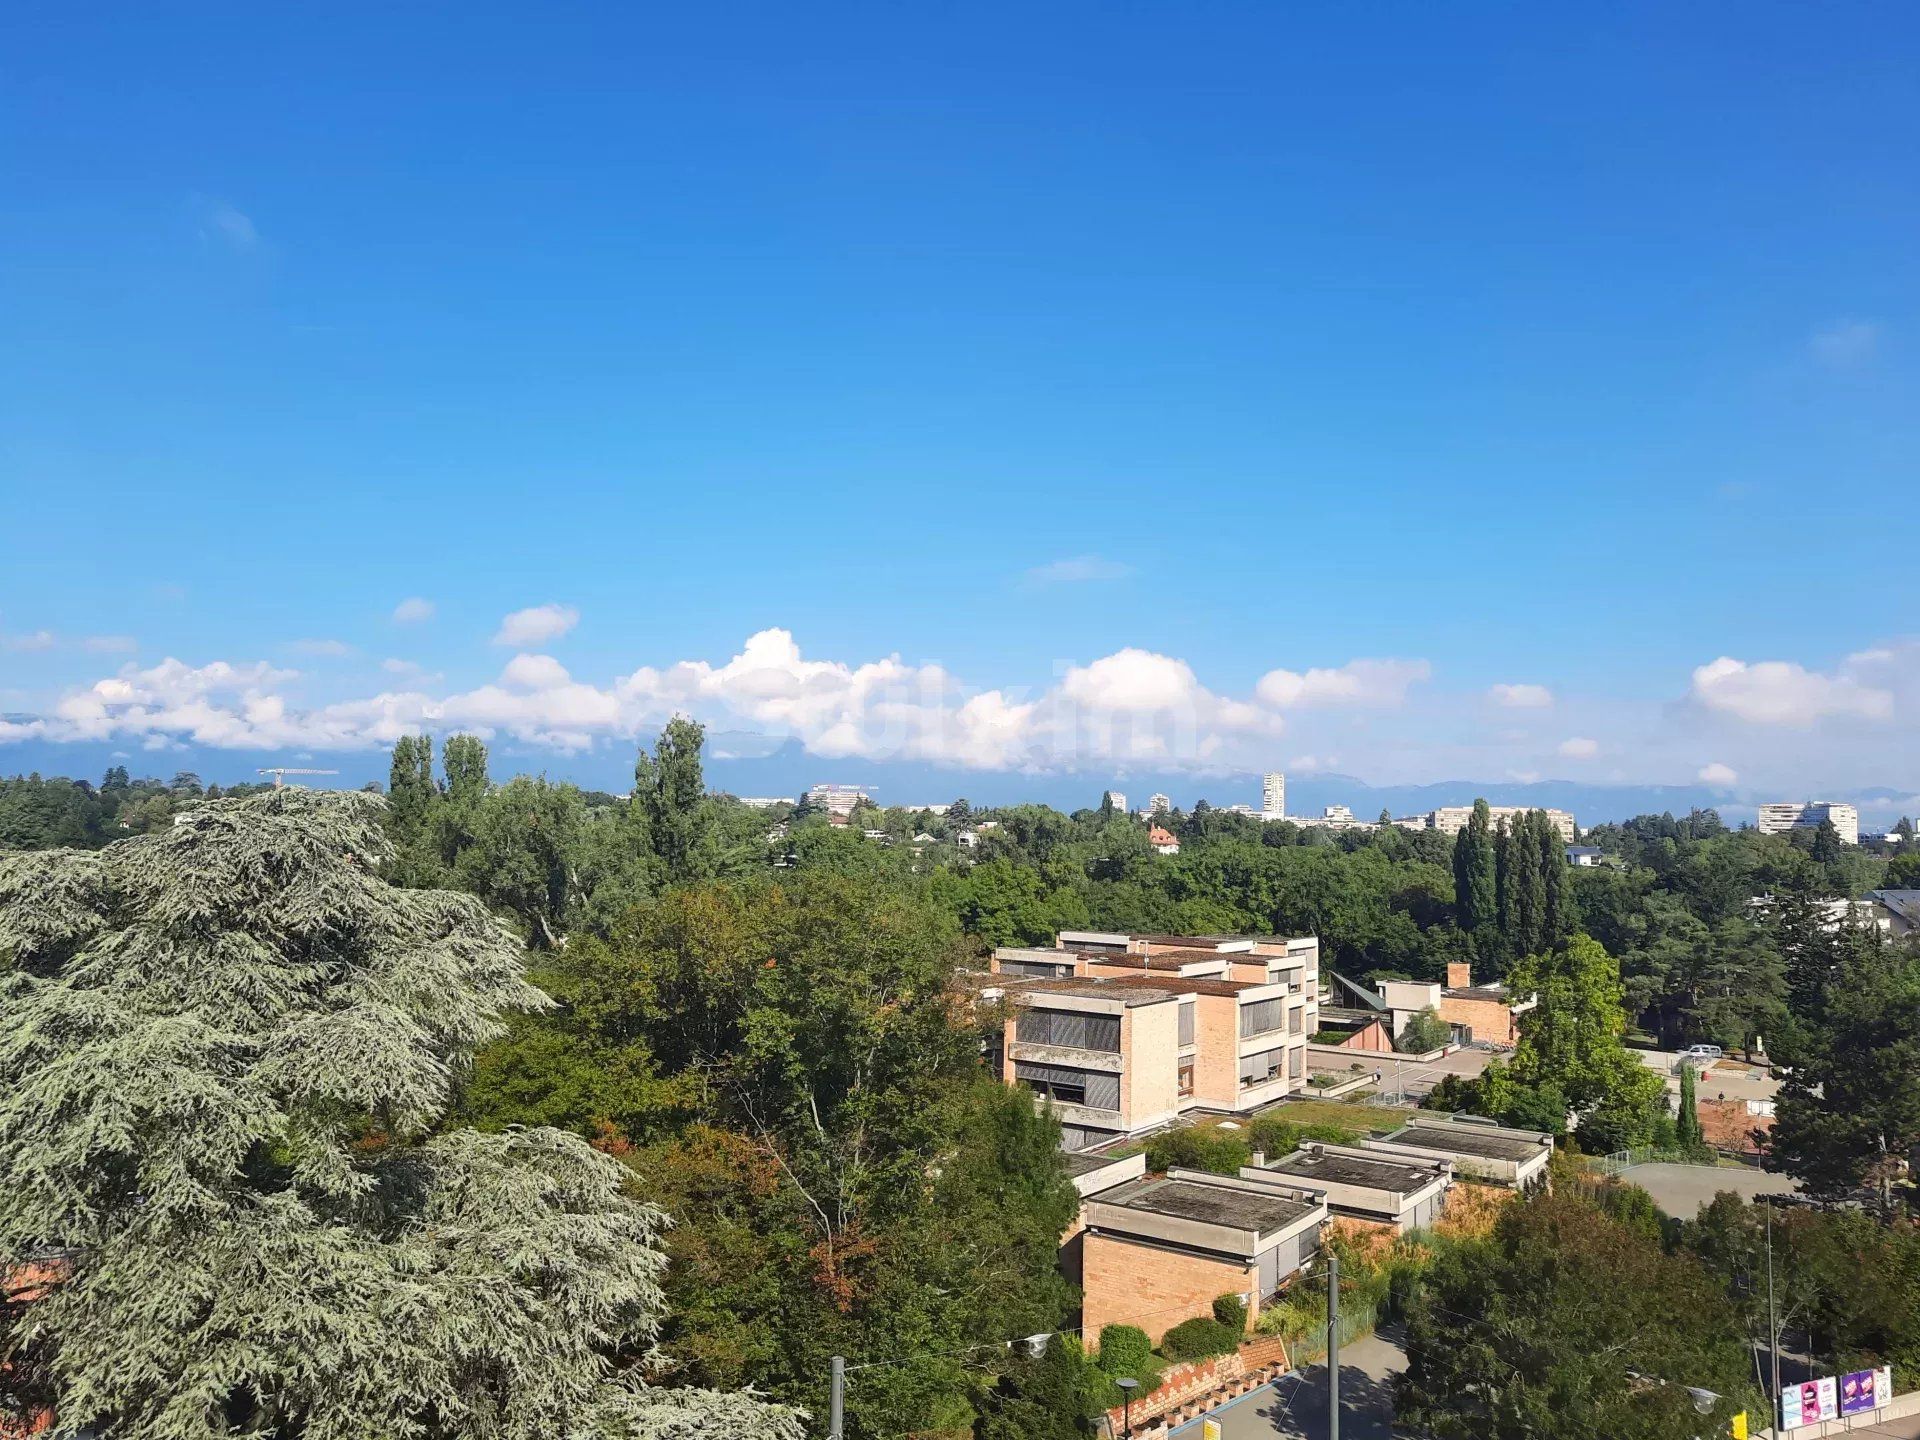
pixel 1273 795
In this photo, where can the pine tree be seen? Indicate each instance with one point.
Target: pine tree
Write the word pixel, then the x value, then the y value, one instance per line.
pixel 227 1054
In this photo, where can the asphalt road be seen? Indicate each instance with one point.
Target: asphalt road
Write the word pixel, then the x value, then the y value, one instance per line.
pixel 1295 1406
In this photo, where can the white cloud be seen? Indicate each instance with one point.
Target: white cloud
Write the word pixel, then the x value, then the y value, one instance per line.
pixel 1717 774
pixel 33 640
pixel 1078 569
pixel 1579 747
pixel 1373 683
pixel 536 625
pixel 324 649
pixel 1313 764
pixel 1131 680
pixel 223 222
pixel 1845 342
pixel 412 611
pixel 1521 697
pixel 110 644
pixel 1779 692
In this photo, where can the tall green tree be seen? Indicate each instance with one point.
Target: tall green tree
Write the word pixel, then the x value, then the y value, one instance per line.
pixel 410 788
pixel 1848 1112
pixel 670 803
pixel 1572 1038
pixel 1475 883
pixel 226 1057
pixel 1570 1322
pixel 1687 1126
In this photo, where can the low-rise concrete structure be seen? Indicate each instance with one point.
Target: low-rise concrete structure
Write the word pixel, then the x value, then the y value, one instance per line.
pixel 1360 1184
pixel 1478 1149
pixel 1159 1250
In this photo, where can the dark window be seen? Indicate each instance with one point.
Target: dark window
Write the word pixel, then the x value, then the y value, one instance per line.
pixel 1092 1088
pixel 1070 1028
pixel 1259 1068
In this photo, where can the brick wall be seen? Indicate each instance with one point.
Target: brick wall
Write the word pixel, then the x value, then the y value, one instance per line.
pixel 1216 1037
pixel 1491 1019
pixel 1129 1284
pixel 1726 1125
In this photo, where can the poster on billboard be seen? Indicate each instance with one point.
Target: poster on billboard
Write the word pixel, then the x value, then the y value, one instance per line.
pixel 1865 1390
pixel 1810 1403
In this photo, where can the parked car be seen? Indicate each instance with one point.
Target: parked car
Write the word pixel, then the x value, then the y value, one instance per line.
pixel 1701 1057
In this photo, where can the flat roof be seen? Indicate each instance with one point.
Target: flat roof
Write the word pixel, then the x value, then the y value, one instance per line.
pixel 1129 990
pixel 1159 960
pixel 1210 1204
pixel 1381 1174
pixel 1186 984
pixel 1496 993
pixel 1464 1140
pixel 1078 1164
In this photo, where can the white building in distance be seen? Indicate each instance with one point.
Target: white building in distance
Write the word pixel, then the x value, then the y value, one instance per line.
pixel 837 799
pixel 1785 815
pixel 1273 795
pixel 1452 819
pixel 1159 805
pixel 1119 800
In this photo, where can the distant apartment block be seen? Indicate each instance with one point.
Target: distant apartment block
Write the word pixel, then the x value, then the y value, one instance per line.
pixel 1334 817
pixel 1273 795
pixel 1119 798
pixel 1159 805
pixel 1786 815
pixel 1124 1033
pixel 837 799
pixel 1452 819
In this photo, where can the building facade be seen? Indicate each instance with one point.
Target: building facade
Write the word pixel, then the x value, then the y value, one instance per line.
pixel 1122 1034
pixel 1785 815
pixel 1452 819
pixel 1273 795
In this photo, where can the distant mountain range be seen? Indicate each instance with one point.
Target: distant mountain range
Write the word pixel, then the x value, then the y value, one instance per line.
pixel 751 764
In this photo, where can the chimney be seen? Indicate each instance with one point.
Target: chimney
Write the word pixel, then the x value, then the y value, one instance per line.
pixel 1459 975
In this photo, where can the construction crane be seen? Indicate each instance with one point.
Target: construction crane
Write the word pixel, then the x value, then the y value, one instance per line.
pixel 280 773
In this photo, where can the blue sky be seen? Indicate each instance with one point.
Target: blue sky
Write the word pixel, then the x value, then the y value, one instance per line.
pixel 1532 346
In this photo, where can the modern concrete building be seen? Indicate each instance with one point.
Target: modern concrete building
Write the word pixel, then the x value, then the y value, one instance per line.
pixel 1478 1149
pixel 837 799
pixel 1786 815
pixel 1489 1014
pixel 1159 1250
pixel 1452 819
pixel 1158 804
pixel 1273 795
pixel 1362 1185
pixel 1121 1040
pixel 1119 798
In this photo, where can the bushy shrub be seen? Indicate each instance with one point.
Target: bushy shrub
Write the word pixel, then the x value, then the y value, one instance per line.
pixel 1123 1349
pixel 1125 1352
pixel 1425 1031
pixel 1219 1151
pixel 1198 1338
pixel 1231 1311
pixel 1274 1135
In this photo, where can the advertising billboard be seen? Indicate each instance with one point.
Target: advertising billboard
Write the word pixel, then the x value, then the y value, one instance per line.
pixel 1810 1403
pixel 1865 1390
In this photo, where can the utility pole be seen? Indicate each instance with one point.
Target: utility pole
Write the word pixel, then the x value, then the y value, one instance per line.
pixel 1773 1325
pixel 1333 1344
pixel 837 1399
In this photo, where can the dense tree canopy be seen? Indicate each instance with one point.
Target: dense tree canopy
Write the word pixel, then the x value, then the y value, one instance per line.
pixel 226 1056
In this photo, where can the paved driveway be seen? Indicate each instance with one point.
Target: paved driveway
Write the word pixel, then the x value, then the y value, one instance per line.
pixel 1295 1406
pixel 1681 1190
pixel 1412 1078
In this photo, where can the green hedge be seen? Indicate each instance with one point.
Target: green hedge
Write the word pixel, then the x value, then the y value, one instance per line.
pixel 1198 1338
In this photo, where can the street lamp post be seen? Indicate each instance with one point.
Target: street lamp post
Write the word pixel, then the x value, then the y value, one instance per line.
pixel 1127 1385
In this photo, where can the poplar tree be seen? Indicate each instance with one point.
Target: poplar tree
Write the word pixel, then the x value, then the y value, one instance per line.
pixel 410 787
pixel 670 803
pixel 227 1052
pixel 1475 885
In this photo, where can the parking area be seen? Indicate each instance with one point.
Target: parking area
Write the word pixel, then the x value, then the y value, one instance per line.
pixel 1680 1190
pixel 1400 1076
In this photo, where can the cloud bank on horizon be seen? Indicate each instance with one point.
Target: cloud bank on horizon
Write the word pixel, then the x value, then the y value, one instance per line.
pixel 1766 721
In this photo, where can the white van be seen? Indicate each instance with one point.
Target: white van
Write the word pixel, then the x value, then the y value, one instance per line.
pixel 1701 1057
